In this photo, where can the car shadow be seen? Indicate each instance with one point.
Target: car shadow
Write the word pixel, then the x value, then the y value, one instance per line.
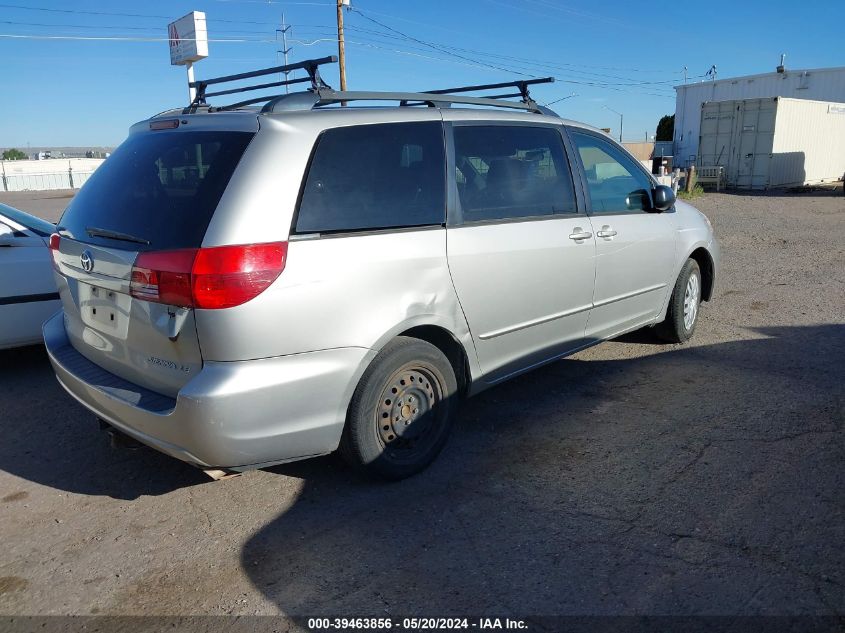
pixel 51 440
pixel 699 480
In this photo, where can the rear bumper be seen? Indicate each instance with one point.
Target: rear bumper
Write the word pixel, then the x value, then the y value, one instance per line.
pixel 232 414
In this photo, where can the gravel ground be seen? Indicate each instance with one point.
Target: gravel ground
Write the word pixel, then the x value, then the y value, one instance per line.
pixel 632 478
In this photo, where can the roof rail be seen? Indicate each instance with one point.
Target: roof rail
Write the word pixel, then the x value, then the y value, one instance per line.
pixel 432 98
pixel 311 66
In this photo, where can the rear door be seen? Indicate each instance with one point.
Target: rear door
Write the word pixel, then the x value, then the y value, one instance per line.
pixel 156 193
pixel 520 253
pixel 635 248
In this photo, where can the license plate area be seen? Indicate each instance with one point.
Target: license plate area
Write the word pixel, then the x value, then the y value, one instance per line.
pixel 104 310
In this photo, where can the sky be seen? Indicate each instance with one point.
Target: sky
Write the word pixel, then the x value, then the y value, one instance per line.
pixel 80 72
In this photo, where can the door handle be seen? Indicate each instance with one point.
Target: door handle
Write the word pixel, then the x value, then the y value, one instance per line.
pixel 606 232
pixel 579 234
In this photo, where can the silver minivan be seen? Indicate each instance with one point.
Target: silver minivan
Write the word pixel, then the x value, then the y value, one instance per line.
pixel 249 285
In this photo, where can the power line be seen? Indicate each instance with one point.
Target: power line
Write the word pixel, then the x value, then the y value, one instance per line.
pixel 119 38
pixel 113 27
pixel 450 51
pixel 80 11
pixel 312 4
pixel 132 15
pixel 471 64
pixel 378 33
pixel 529 66
pixel 433 46
pixel 569 68
pixel 563 65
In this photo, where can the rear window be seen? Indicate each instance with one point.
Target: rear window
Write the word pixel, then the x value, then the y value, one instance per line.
pixel 161 187
pixel 375 177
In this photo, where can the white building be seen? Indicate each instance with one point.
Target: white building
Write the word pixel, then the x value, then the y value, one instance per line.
pixel 819 84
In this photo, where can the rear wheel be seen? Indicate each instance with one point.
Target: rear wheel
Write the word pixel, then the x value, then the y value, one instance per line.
pixel 402 410
pixel 682 314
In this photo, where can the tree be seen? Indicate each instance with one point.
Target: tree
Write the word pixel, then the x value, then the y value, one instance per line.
pixel 13 154
pixel 665 128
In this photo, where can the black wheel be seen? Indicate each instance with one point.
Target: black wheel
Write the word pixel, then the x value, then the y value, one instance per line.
pixel 682 315
pixel 402 410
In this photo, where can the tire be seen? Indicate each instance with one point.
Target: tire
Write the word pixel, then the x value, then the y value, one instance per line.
pixel 683 311
pixel 402 411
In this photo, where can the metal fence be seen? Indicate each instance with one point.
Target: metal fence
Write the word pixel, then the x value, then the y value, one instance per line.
pixel 65 179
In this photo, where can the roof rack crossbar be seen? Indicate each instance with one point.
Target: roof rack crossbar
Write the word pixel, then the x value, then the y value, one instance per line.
pixel 522 84
pixel 311 66
pixel 287 82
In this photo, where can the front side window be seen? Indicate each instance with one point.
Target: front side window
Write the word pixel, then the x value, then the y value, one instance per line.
pixel 375 177
pixel 615 183
pixel 505 172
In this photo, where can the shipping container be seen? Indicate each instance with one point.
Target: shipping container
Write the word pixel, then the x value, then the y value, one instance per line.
pixel 773 142
pixel 815 84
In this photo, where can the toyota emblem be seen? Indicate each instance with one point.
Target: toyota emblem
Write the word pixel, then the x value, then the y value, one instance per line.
pixel 87 261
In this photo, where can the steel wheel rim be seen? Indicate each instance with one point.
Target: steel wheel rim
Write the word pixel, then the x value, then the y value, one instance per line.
pixel 691 301
pixel 407 416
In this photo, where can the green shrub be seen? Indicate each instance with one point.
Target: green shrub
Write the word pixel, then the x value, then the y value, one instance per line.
pixel 697 191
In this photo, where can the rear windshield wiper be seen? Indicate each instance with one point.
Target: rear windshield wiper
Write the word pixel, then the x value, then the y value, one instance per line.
pixel 93 231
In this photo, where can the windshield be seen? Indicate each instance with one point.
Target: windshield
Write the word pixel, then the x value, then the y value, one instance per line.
pixel 160 188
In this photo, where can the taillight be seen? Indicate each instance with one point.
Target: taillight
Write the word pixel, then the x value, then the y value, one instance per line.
pixel 55 241
pixel 208 278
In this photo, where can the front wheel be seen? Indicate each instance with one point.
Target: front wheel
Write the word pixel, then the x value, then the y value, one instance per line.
pixel 682 314
pixel 402 410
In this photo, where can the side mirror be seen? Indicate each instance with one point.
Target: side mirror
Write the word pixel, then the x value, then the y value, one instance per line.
pixel 7 235
pixel 663 197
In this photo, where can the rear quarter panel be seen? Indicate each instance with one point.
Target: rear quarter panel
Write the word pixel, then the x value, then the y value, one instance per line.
pixel 345 291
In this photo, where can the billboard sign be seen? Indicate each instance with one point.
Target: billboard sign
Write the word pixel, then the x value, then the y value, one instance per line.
pixel 188 39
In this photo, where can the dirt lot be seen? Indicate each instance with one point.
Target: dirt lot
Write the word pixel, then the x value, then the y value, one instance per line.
pixel 633 478
pixel 45 204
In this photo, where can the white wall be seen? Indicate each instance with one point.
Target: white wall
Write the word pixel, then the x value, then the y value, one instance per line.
pixel 54 173
pixel 824 84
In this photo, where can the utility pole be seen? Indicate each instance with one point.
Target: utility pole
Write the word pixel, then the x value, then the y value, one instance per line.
pixel 621 118
pixel 341 46
pixel 285 50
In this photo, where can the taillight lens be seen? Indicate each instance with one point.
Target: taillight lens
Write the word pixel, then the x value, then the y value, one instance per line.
pixel 164 277
pixel 55 241
pixel 208 278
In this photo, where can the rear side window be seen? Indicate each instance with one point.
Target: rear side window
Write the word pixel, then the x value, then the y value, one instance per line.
pixel 161 187
pixel 375 177
pixel 511 172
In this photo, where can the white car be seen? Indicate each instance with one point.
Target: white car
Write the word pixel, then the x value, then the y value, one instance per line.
pixel 28 294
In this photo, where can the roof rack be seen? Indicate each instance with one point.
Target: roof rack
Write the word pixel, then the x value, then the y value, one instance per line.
pixel 321 94
pixel 522 85
pixel 311 66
